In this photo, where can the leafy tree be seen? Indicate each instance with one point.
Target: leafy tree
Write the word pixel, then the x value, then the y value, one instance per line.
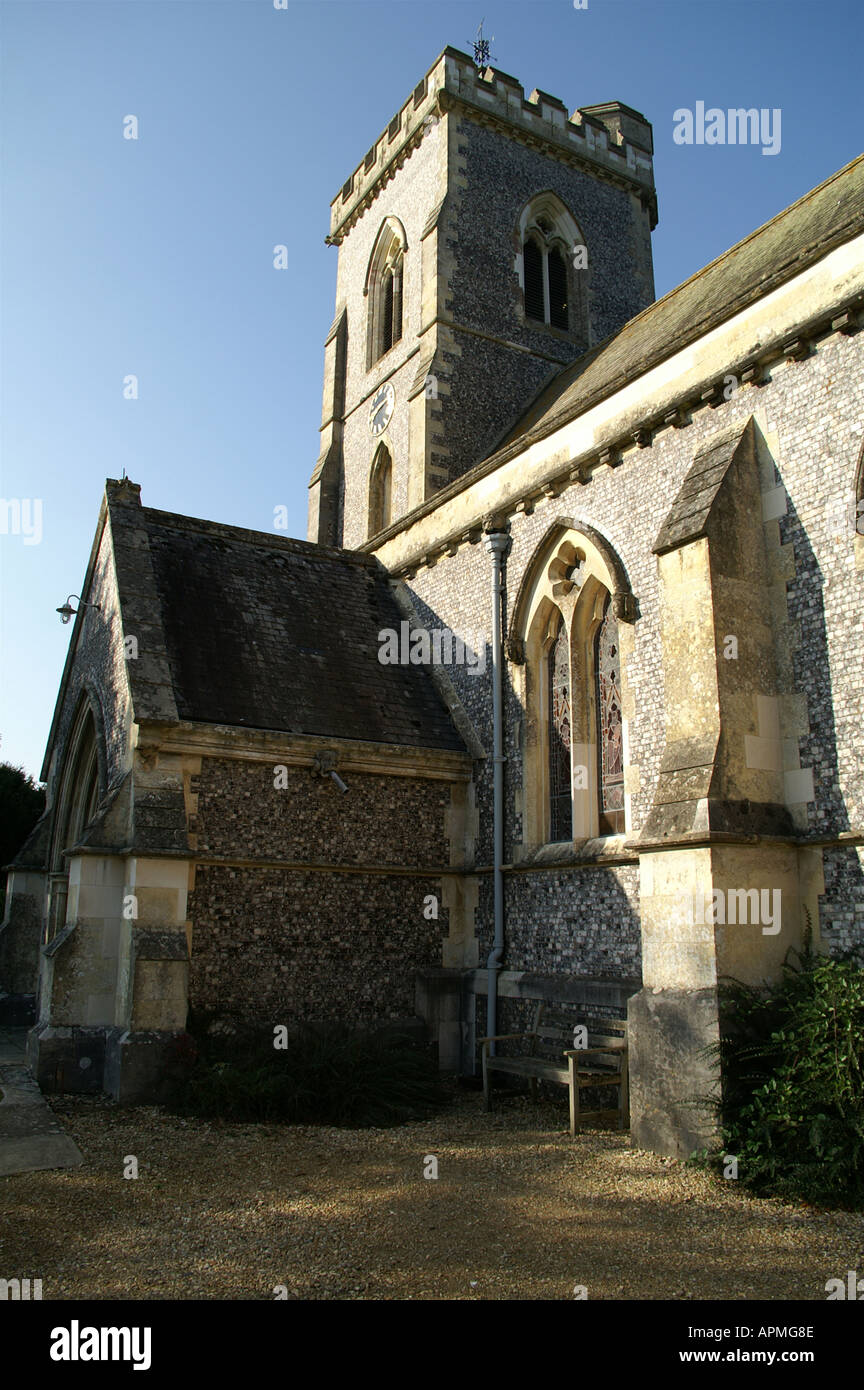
pixel 22 802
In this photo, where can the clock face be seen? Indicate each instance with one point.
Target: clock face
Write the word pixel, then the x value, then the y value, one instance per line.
pixel 381 409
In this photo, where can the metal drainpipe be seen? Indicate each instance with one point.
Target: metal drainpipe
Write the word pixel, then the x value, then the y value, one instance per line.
pixel 497 543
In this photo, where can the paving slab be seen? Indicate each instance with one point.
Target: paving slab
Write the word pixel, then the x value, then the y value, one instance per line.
pixel 31 1137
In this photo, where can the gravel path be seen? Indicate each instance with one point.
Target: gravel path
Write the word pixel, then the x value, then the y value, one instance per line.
pixel 518 1211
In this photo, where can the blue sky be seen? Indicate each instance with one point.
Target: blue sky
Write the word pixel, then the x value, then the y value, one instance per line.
pixel 155 256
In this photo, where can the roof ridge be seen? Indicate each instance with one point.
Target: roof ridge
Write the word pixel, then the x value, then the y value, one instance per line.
pixel 579 363
pixel 758 231
pixel 245 535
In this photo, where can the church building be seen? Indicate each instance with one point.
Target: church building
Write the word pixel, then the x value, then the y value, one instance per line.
pixel 561 700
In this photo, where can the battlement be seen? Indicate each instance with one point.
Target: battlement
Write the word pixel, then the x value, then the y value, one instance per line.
pixel 613 139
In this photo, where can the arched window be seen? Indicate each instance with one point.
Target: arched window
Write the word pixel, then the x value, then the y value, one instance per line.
pixel 553 267
pixel 80 790
pixel 560 737
pixel 380 491
pixel 384 290
pixel 77 801
pixel 566 639
pixel 610 729
pixel 391 313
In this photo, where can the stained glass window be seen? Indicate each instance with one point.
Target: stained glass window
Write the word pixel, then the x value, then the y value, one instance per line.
pixel 560 738
pixel 607 664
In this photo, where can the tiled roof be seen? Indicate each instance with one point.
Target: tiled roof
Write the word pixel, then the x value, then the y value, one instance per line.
pixel 258 631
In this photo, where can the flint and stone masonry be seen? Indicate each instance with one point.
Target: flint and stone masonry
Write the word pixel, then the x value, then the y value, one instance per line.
pixel 677 467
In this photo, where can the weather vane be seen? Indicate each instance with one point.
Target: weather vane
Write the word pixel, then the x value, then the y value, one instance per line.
pixel 482 55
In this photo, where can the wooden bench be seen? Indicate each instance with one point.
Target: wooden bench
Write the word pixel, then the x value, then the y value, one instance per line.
pixel 605 1044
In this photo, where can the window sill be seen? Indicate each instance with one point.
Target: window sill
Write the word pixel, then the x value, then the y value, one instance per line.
pixel 562 335
pixel 374 366
pixel 602 849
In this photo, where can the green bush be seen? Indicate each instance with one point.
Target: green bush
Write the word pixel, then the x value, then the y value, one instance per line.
pixel 328 1074
pixel 792 1107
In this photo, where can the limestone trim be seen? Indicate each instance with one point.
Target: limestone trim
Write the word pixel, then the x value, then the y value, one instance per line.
pixel 108 601
pixel 380 381
pixel 472 332
pixel 319 867
pixel 78 795
pixel 629 182
pixel 340 227
pixel 380 491
pixel 618 154
pixel 619 581
pixel 569 581
pixel 80 781
pixel 298 750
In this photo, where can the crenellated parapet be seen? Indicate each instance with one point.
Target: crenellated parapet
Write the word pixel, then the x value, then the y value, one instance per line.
pixel 611 139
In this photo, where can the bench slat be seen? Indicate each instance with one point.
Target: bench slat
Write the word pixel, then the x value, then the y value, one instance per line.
pixel 607 1046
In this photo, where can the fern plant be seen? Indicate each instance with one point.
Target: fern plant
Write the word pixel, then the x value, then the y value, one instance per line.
pixel 792 1104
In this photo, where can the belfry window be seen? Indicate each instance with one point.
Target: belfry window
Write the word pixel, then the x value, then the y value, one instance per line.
pixel 553 276
pixel 384 290
pixel 546 294
pixel 391 312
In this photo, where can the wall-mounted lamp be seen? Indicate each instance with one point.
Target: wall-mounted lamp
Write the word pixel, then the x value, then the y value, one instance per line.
pixel 67 611
pixel 324 765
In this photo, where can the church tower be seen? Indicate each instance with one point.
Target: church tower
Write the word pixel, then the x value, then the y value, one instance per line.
pixel 485 241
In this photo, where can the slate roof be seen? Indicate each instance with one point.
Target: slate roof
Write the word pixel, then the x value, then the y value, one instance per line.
pixel 774 253
pixel 259 631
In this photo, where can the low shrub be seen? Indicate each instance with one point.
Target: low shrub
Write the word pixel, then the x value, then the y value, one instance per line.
pixel 792 1106
pixel 327 1074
